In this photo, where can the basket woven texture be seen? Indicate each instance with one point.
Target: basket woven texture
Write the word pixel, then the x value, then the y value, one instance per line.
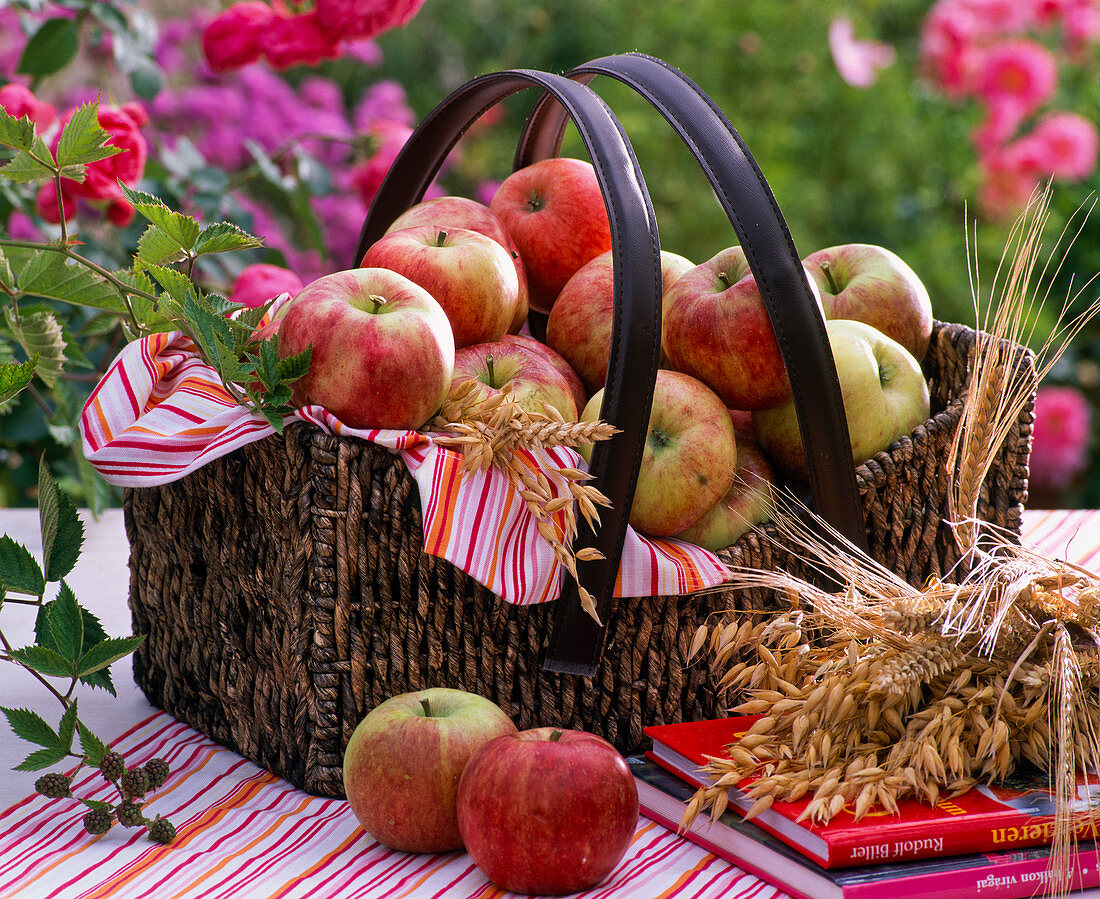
pixel 284 592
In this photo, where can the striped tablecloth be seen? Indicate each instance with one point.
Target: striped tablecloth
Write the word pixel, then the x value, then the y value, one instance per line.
pixel 243 832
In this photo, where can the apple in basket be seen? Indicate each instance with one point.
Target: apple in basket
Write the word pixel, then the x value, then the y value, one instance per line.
pixel 716 328
pixel 875 286
pixel 689 457
pixel 884 391
pixel 462 212
pixel 404 761
pixel 382 348
pixel 531 377
pixel 547 811
pixel 579 325
pixel 576 385
pixel 750 501
pixel 555 212
pixel 471 276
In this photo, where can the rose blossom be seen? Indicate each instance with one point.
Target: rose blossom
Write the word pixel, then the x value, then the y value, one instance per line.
pixel 293 40
pixel 232 39
pixel 1060 437
pixel 1020 69
pixel 350 19
pixel 1064 145
pixel 260 283
pixel 857 61
pixel 19 101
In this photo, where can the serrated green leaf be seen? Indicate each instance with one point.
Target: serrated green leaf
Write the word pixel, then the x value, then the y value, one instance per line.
pixel 94 634
pixel 16 133
pixel 92 747
pixel 43 660
pixel 66 728
pixel 250 318
pixel 178 285
pixel 293 367
pixel 14 376
pixel 31 726
pixel 157 248
pixel 105 653
pixel 42 758
pixel 52 47
pixel 178 227
pixel 66 624
pixel 39 333
pixel 83 139
pixel 221 237
pixel 19 571
pixel 50 275
pixel 62 529
pixel 35 164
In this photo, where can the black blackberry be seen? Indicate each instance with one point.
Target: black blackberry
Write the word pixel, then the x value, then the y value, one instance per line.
pixel 113 765
pixel 134 783
pixel 129 815
pixel 97 821
pixel 54 785
pixel 157 771
pixel 161 830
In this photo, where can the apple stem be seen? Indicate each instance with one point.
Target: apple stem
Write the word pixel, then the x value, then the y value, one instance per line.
pixel 555 736
pixel 492 372
pixel 534 202
pixel 725 279
pixel 827 270
pixel 441 239
pixel 377 301
pixel 427 707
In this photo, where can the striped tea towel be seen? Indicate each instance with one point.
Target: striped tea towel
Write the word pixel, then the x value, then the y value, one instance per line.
pixel 160 413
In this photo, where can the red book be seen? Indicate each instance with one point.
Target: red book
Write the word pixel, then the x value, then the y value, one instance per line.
pixel 1016 815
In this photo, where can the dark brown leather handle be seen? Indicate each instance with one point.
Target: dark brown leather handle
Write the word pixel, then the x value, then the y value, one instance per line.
pixel 636 328
pixel 795 315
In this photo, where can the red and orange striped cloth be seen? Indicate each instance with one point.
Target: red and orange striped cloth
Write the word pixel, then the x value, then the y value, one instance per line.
pixel 159 413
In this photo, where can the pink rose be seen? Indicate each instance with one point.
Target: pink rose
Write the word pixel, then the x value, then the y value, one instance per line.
pixel 260 283
pixel 857 61
pixel 1064 145
pixel 350 19
pixel 367 177
pixel 294 40
pixel 1009 180
pixel 232 39
pixel 19 102
pixel 1060 438
pixel 1021 69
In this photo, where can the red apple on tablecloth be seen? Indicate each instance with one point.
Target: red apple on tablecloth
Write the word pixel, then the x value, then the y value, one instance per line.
pixel 462 212
pixel 716 328
pixel 471 276
pixel 580 395
pixel 579 325
pixel 547 811
pixel 555 212
pixel 872 285
pixel 689 458
pixel 749 501
pixel 531 378
pixel 403 765
pixel 884 391
pixel 383 351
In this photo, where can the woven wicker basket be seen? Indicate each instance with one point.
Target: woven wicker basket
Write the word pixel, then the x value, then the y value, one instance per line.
pixel 284 592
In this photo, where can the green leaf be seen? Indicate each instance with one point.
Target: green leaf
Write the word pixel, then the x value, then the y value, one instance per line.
pixel 92 747
pixel 62 529
pixel 66 624
pixel 42 758
pixel 50 275
pixel 180 228
pixel 146 78
pixel 30 726
pixel 16 133
pixel 93 635
pixel 14 376
pixel 66 728
pixel 105 653
pixel 293 367
pixel 35 164
pixel 52 47
pixel 19 572
pixel 39 333
pixel 178 285
pixel 43 660
pixel 156 247
pixel 224 236
pixel 83 139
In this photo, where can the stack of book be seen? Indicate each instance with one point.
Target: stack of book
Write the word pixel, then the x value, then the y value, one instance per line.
pixel 992 842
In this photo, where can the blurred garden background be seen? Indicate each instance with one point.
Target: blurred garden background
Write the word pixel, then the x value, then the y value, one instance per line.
pixel 895 123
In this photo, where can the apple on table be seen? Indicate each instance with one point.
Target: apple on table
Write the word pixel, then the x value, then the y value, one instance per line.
pixel 531 377
pixel 547 811
pixel 873 285
pixel 554 211
pixel 382 348
pixel 404 761
pixel 470 275
pixel 884 391
pixel 689 457
pixel 462 212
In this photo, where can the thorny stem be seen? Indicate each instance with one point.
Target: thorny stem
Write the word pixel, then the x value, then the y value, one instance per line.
pixel 64 700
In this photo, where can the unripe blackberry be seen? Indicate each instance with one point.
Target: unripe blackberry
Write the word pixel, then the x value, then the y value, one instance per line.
pixel 113 765
pixel 157 771
pixel 97 821
pixel 54 785
pixel 162 830
pixel 129 815
pixel 134 783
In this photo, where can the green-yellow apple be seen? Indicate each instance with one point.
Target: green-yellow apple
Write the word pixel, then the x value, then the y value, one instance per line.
pixel 531 377
pixel 555 212
pixel 571 377
pixel 885 396
pixel 471 276
pixel 875 286
pixel 749 501
pixel 716 328
pixel 382 348
pixel 689 458
pixel 404 763
pixel 462 212
pixel 579 325
pixel 547 811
